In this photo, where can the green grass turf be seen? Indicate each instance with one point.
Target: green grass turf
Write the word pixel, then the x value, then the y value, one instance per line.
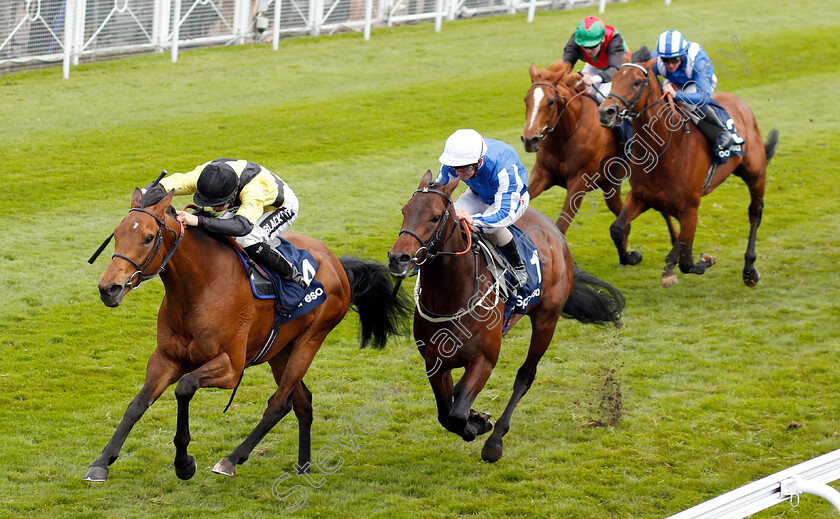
pixel 713 375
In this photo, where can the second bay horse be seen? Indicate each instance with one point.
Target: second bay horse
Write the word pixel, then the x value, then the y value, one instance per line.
pixel 458 316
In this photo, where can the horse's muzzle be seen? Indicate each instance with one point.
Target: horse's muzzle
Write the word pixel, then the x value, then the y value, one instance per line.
pixel 608 115
pixel 399 264
pixel 532 145
pixel 112 295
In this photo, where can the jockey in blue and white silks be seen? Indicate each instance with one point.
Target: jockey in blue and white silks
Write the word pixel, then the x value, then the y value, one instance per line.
pixel 690 78
pixel 498 189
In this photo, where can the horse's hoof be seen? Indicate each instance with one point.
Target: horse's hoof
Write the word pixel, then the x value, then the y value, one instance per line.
pixel 225 467
pixel 708 258
pixel 96 473
pixel 668 280
pixel 482 422
pixel 633 257
pixel 751 277
pixel 470 432
pixel 492 451
pixel 188 471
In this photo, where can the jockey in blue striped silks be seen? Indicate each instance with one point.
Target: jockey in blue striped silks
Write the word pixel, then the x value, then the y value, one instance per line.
pixel 690 78
pixel 498 189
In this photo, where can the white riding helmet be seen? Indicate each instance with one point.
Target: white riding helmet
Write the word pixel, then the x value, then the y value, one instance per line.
pixel 462 148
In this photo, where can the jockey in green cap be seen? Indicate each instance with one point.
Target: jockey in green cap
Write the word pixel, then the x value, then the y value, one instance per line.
pixel 602 49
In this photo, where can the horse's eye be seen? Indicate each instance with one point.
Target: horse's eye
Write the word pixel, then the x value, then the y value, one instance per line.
pixel 148 239
pixel 637 82
pixel 435 218
pixel 551 101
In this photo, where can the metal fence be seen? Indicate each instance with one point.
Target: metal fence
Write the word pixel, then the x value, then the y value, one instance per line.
pixel 38 33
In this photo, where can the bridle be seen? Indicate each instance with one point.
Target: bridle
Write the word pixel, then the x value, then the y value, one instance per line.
pixel 627 112
pixel 141 268
pixel 476 300
pixel 426 247
pixel 558 113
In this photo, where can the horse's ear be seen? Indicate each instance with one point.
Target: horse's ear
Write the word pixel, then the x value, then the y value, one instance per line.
pixel 161 207
pixel 533 71
pixel 136 197
pixel 450 187
pixel 426 180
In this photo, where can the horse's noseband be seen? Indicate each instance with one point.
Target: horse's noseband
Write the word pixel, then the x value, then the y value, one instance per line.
pixel 141 268
pixel 627 112
pixel 424 246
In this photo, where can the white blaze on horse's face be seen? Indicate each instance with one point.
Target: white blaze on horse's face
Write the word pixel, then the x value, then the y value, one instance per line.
pixel 535 107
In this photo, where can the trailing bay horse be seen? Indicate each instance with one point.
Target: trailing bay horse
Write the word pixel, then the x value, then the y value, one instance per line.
pixel 458 318
pixel 574 150
pixel 670 175
pixel 210 326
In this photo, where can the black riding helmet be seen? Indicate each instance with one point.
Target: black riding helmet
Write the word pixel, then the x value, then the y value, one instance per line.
pixel 216 185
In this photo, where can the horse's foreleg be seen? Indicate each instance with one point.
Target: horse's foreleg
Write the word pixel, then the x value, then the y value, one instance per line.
pixel 540 339
pixel 539 179
pixel 441 382
pixel 575 193
pixel 471 424
pixel 288 371
pixel 218 372
pixel 688 226
pixel 671 231
pixel 160 374
pixel 620 229
pixel 751 275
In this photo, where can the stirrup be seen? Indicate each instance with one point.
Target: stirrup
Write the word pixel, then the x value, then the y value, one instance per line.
pixel 520 276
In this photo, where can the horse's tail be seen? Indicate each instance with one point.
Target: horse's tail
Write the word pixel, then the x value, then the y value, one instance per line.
pixel 382 313
pixel 770 145
pixel 593 300
pixel 641 55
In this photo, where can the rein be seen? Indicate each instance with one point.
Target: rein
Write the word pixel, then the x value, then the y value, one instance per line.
pixel 141 269
pixel 428 253
pixel 559 113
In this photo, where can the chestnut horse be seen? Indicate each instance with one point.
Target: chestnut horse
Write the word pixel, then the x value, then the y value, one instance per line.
pixel 458 314
pixel 670 176
pixel 573 150
pixel 210 326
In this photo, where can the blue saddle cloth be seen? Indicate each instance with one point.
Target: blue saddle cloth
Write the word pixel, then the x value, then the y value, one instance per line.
pixel 529 294
pixel 294 300
pixel 720 156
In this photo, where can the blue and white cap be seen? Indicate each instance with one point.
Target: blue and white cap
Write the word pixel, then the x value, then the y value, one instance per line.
pixel 671 44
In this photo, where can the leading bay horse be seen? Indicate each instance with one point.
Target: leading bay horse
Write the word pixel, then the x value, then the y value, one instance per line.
pixel 458 316
pixel 210 326
pixel 670 174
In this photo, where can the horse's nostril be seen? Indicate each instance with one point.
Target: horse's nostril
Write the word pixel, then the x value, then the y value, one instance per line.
pixel 404 258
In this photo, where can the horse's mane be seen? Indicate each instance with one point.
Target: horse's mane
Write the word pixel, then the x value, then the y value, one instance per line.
pixel 557 73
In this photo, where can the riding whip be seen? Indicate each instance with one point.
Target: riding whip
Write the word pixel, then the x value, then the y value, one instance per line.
pixel 108 239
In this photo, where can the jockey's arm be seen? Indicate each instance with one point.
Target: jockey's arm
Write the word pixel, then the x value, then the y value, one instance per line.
pixel 505 202
pixel 615 57
pixel 703 71
pixel 571 52
pixel 182 183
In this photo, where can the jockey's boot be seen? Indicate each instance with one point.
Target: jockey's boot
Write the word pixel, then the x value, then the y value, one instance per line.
pixel 712 127
pixel 271 257
pixel 511 253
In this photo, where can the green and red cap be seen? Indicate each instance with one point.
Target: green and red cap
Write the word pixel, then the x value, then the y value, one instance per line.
pixel 590 32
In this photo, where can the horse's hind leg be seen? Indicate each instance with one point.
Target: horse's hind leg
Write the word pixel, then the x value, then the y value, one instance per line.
pixel 756 187
pixel 302 406
pixel 218 372
pixel 288 370
pixel 540 339
pixel 160 374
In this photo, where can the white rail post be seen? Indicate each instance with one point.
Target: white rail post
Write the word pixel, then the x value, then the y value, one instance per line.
pixel 316 13
pixel 69 25
pixel 440 7
pixel 602 6
pixel 78 41
pixel 368 18
pixel 532 8
pixel 176 29
pixel 275 32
